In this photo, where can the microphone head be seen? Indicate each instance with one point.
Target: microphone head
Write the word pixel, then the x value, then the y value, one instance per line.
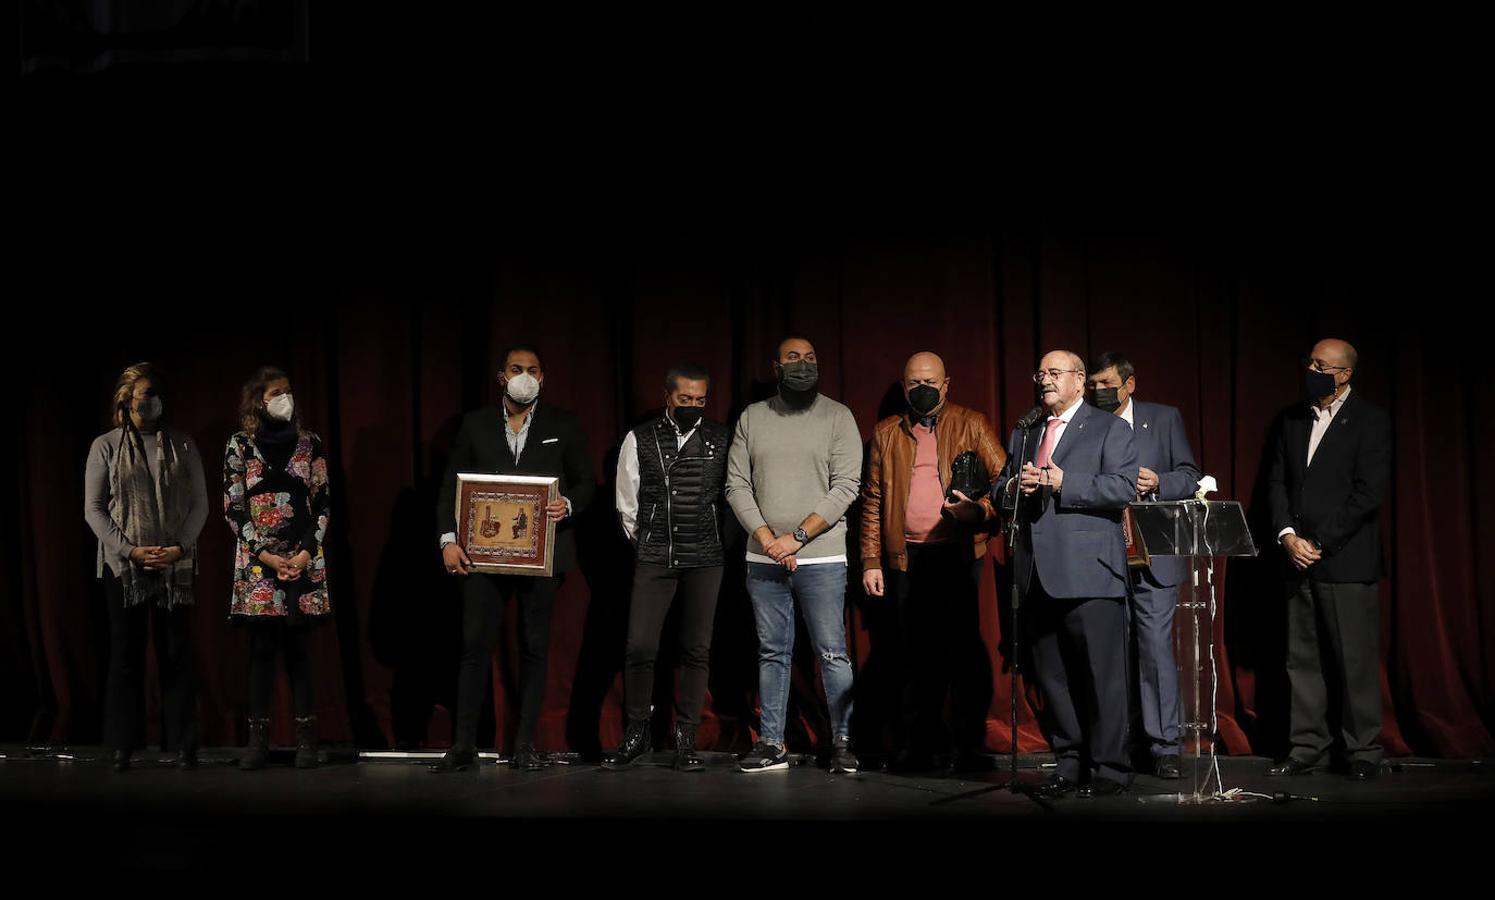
pixel 1032 417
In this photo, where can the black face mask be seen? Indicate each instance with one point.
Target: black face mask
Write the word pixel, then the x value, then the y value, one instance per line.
pixel 923 398
pixel 1318 385
pixel 687 417
pixel 1105 399
pixel 800 376
pixel 797 383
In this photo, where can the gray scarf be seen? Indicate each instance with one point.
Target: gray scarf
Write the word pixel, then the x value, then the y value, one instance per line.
pixel 150 511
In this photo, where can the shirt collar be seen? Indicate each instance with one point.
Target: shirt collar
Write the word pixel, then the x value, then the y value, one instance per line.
pixel 529 414
pixel 1334 407
pixel 1129 413
pixel 1069 414
pixel 675 426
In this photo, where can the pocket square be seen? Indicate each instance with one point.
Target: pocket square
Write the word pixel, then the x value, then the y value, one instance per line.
pixel 550 440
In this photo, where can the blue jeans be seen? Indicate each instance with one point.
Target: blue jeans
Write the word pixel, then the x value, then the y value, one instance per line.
pixel 821 592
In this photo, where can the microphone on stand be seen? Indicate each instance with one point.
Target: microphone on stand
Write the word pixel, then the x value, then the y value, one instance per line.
pixel 1024 425
pixel 1031 418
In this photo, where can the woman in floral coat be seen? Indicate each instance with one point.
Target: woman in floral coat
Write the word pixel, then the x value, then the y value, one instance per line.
pixel 275 499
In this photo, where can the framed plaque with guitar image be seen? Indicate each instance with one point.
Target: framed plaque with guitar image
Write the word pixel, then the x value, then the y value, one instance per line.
pixel 501 522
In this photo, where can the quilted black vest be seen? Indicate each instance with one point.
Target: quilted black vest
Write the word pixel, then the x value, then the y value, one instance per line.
pixel 680 494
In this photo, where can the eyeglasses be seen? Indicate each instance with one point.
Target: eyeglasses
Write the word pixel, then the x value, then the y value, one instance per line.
pixel 1318 365
pixel 1054 374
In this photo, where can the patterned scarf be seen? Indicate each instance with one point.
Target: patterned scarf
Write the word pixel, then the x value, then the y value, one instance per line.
pixel 150 511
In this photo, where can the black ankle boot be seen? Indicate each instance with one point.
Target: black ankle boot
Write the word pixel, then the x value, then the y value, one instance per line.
pixel 306 742
pixel 635 744
pixel 686 758
pixel 121 760
pixel 258 750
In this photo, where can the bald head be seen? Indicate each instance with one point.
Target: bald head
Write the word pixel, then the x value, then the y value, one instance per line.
pixel 924 365
pixel 1336 352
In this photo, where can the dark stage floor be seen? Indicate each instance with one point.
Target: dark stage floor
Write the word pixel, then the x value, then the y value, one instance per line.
pixel 160 817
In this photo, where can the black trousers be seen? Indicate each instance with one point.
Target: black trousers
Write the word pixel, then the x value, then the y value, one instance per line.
pixel 124 704
pixel 939 624
pixel 1334 668
pixel 483 599
pixel 267 640
pixel 1078 648
pixel 654 589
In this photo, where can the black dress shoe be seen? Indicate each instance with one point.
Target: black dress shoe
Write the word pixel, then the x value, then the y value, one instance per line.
pixel 1364 770
pixel 527 759
pixel 1290 766
pixel 1166 767
pixel 187 759
pixel 1058 786
pixel 456 760
pixel 121 760
pixel 1102 787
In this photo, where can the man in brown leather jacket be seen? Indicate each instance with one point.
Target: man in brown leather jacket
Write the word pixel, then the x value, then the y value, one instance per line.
pixel 923 542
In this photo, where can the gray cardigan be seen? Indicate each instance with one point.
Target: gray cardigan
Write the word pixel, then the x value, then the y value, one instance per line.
pixel 98 505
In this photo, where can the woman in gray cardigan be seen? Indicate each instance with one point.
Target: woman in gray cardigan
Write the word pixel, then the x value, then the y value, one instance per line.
pixel 145 500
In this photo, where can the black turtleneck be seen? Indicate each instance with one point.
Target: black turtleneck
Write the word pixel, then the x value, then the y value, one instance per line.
pixel 276 441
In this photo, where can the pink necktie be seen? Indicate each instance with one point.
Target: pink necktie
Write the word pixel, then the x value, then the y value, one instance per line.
pixel 1046 449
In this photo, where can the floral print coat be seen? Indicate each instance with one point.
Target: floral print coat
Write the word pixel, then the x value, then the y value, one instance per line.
pixel 283 511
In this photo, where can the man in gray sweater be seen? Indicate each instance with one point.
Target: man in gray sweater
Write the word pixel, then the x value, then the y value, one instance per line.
pixel 794 467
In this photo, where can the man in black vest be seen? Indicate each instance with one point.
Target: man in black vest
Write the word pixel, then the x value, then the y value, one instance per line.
pixel 670 475
pixel 522 437
pixel 1328 478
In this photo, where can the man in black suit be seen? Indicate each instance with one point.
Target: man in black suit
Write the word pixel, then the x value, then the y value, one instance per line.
pixel 1328 477
pixel 1167 472
pixel 522 437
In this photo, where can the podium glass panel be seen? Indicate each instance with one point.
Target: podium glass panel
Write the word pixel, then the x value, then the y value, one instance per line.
pixel 1206 532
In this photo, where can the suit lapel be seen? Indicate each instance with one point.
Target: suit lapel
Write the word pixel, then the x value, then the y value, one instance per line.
pixel 1336 432
pixel 539 430
pixel 1074 431
pixel 1144 432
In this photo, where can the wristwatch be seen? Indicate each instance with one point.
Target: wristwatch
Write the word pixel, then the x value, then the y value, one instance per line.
pixel 801 536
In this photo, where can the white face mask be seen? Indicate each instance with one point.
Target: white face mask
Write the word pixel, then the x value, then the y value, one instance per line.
pixel 281 407
pixel 523 388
